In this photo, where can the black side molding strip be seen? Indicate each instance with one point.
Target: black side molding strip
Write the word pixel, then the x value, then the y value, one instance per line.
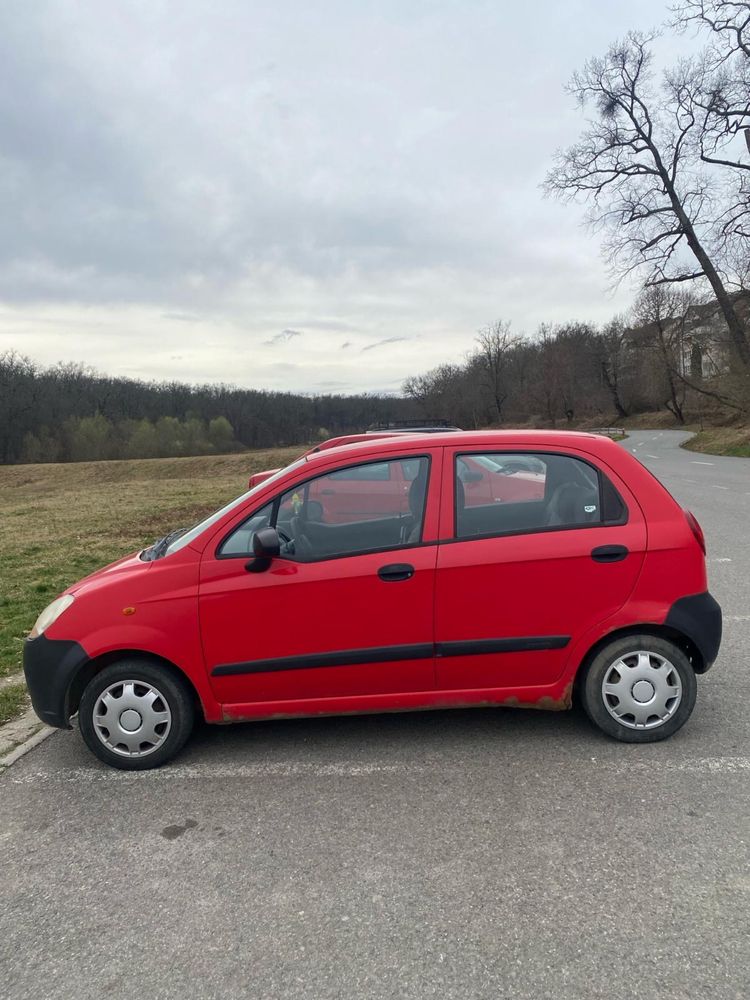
pixel 390 654
pixel 340 658
pixel 519 644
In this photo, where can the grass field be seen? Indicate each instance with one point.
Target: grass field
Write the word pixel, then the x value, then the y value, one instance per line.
pixel 60 522
pixel 734 441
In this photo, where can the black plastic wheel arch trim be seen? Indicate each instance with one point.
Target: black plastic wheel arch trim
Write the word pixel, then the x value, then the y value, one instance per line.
pixel 699 618
pixel 50 667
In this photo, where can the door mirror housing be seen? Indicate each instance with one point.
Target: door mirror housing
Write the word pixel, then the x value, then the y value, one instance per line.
pixel 266 547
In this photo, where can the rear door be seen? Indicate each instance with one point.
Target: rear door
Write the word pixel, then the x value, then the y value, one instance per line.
pixel 519 580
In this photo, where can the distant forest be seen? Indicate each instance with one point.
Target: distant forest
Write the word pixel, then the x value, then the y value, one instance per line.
pixel 672 353
pixel 68 413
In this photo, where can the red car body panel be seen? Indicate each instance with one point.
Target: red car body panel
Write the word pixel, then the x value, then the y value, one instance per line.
pixel 198 611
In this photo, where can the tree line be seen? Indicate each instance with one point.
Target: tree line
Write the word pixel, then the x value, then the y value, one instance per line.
pixel 68 412
pixel 670 353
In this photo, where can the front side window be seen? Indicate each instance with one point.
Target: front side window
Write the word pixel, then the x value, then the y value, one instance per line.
pixel 503 493
pixel 376 505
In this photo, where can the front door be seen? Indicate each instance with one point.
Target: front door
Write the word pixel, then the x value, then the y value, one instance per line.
pixel 345 611
pixel 522 579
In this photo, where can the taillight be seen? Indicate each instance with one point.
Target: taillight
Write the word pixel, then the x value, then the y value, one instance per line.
pixel 696 530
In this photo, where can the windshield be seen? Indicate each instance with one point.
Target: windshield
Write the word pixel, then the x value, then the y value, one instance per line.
pixel 201 526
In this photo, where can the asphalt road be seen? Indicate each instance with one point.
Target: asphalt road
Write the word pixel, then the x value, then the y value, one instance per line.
pixel 491 853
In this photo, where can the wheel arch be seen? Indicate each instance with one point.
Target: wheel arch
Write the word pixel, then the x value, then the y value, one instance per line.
pixel 682 641
pixel 92 667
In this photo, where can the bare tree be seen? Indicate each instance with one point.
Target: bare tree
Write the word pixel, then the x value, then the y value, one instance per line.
pixel 661 312
pixel 716 91
pixel 728 20
pixel 493 357
pixel 612 362
pixel 636 165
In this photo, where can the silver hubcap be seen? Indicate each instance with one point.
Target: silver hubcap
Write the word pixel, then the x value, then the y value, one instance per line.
pixel 642 690
pixel 132 718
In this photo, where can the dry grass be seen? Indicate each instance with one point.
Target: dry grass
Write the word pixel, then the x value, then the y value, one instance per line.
pixel 13 701
pixel 733 441
pixel 60 522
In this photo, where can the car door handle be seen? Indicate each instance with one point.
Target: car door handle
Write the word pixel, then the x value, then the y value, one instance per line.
pixel 609 553
pixel 394 572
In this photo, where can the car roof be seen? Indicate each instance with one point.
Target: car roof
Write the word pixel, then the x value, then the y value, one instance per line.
pixel 336 442
pixel 498 439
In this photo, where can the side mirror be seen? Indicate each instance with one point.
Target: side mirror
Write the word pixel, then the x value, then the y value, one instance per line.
pixel 266 546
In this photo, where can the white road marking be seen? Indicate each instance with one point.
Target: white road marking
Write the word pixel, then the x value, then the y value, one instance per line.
pixel 700 463
pixel 717 487
pixel 709 764
pixel 278 769
pixel 723 559
pixel 652 456
pixel 737 618
pixel 285 769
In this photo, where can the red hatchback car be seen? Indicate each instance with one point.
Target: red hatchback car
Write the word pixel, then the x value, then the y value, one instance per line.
pixel 590 580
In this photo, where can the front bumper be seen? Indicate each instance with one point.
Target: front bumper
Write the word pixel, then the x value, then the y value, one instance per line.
pixel 50 666
pixel 699 618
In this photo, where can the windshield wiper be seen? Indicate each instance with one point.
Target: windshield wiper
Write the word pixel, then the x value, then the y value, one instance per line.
pixel 157 550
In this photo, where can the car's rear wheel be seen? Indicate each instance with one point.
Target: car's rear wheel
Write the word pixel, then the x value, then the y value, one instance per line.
pixel 135 714
pixel 639 689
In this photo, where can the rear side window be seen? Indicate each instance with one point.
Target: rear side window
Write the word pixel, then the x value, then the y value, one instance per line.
pixel 500 493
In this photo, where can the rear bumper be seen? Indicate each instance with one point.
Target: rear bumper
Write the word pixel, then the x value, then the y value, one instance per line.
pixel 699 618
pixel 50 666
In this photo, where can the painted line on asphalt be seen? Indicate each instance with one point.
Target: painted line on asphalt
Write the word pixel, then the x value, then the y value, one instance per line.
pixel 279 769
pixel 717 487
pixel 700 463
pixel 286 769
pixel 736 618
pixel 652 456
pixel 724 559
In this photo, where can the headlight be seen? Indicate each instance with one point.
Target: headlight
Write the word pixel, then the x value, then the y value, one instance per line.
pixel 50 614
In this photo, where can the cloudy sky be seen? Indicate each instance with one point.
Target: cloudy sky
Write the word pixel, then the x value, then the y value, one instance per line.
pixel 321 196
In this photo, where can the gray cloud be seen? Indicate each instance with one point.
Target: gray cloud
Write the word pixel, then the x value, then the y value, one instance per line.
pixel 169 186
pixel 282 338
pixel 382 343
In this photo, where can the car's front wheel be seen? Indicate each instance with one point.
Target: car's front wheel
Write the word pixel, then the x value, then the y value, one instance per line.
pixel 135 714
pixel 639 689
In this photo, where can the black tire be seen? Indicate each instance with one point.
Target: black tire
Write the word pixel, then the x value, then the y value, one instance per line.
pixel 593 696
pixel 173 691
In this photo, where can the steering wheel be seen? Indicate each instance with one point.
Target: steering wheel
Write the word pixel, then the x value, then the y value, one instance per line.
pixel 302 544
pixel 285 540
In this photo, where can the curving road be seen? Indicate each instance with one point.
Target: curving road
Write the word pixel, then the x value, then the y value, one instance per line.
pixel 469 854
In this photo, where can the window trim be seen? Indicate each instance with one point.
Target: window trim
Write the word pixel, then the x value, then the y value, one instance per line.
pixel 276 502
pixel 547 528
